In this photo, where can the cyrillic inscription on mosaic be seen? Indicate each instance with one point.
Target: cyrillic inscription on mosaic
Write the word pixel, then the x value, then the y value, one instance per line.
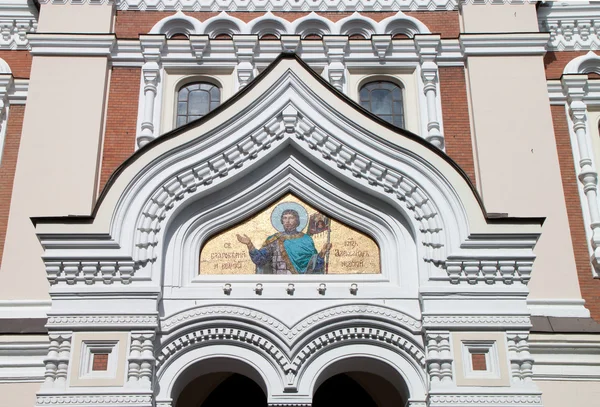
pixel 290 237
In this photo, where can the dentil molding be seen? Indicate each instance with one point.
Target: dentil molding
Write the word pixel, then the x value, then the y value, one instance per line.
pixel 93 399
pixel 479 321
pixel 104 321
pixel 487 399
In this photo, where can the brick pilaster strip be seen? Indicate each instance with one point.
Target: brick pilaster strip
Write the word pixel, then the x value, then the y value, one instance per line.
pixel 121 120
pixel 455 111
pixel 8 166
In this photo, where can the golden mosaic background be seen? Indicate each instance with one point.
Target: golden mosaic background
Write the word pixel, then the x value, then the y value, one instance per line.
pixel 352 252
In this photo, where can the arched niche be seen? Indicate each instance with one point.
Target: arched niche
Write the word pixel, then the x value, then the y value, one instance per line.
pixel 290 173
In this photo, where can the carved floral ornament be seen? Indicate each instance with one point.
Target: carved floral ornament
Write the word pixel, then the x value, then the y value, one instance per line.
pixel 290 113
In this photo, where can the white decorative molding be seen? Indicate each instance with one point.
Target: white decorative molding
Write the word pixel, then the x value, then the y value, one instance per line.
pixel 584 64
pixel 72 44
pixel 291 333
pixel 290 361
pixel 428 48
pixel 152 47
pixel 439 357
pixel 23 309
pixel 565 357
pixel 521 361
pixel 572 26
pixel 552 307
pixel 336 70
pixel 287 124
pixel 18 18
pixel 108 322
pixel 94 399
pixel 504 44
pixel 475 271
pixel 575 87
pixel 23 361
pixel 141 360
pixel 57 360
pixel 90 272
pixel 479 322
pixel 245 46
pixel 269 23
pixel 459 400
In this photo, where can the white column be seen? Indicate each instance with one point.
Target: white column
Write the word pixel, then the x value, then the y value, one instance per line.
pixel 151 49
pixel 428 48
pixel 6 86
pixel 335 47
pixel 575 88
pixel 141 360
pixel 245 46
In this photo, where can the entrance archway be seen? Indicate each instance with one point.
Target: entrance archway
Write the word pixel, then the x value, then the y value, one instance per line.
pixel 357 389
pixel 222 389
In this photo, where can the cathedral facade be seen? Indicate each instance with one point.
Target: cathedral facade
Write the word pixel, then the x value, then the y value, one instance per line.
pixel 299 203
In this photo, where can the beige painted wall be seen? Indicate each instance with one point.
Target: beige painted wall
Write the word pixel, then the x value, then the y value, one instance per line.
pixel 569 393
pixel 491 18
pixel 58 161
pixel 519 172
pixel 76 18
pixel 18 394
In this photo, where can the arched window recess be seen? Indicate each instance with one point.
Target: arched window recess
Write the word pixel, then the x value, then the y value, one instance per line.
pixel 384 99
pixel 195 100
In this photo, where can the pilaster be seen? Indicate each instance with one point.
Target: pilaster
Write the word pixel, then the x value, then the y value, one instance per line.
pixel 152 47
pixel 428 48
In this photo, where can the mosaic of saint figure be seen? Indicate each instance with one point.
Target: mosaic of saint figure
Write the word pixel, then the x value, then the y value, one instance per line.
pixel 289 251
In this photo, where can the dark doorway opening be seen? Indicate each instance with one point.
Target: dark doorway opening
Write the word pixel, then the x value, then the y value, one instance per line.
pixel 236 390
pixel 343 391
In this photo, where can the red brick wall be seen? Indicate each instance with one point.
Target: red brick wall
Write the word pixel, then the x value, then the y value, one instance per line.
pixel 8 165
pixel 121 120
pixel 555 62
pixel 19 62
pixel 455 111
pixel 130 24
pixel 590 287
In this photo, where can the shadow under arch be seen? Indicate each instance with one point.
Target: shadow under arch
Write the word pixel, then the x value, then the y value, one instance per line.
pixel 406 379
pixel 179 373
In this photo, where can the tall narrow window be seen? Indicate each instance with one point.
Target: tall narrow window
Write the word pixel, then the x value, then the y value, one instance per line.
pixel 383 99
pixel 196 100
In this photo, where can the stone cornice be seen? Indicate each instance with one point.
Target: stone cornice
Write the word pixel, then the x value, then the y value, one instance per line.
pixel 479 322
pixel 106 322
pixel 571 26
pixel 71 44
pixel 503 44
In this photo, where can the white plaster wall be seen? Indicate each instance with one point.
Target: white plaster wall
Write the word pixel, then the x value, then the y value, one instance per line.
pixel 569 393
pixel 76 18
pixel 18 394
pixel 519 172
pixel 56 173
pixel 491 18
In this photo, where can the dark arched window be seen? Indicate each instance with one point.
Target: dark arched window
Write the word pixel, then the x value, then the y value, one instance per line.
pixel 383 99
pixel 196 100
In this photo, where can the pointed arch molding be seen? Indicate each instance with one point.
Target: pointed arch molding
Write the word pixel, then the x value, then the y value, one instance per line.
pixel 291 348
pixel 289 107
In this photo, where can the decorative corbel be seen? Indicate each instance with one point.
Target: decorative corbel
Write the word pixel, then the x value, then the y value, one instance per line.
pixel 575 87
pixel 381 43
pixel 152 47
pixel 290 43
pixel 335 47
pixel 245 46
pixel 428 47
pixel 199 45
